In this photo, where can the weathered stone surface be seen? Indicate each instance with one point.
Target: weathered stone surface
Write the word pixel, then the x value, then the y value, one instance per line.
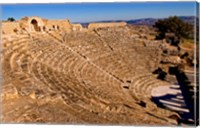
pixel 35 24
pixel 101 76
pixel 105 25
pixel 9 92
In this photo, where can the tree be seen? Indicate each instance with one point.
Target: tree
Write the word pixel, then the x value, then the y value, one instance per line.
pixel 11 19
pixel 173 25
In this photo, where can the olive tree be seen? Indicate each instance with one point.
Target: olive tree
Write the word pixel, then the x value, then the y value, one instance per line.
pixel 173 25
pixel 11 19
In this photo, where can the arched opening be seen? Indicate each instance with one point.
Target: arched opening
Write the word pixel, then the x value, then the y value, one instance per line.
pixel 35 25
pixel 44 28
pixel 58 27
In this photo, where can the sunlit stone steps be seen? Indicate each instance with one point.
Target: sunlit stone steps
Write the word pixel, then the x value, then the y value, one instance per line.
pixel 72 68
pixel 85 75
pixel 141 86
pixel 11 55
pixel 55 84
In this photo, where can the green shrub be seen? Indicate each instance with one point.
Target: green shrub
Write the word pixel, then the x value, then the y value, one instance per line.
pixel 11 19
pixel 174 25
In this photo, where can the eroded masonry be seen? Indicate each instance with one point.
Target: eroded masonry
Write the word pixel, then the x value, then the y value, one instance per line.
pixel 106 73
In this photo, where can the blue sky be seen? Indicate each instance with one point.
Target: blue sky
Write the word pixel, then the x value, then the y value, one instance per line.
pixel 84 12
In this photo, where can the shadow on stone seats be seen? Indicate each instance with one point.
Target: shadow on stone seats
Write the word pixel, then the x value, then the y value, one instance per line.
pixel 165 97
pixel 168 102
pixel 176 88
pixel 161 74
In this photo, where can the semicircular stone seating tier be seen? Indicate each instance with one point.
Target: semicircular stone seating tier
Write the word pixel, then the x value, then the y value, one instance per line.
pixel 143 84
pixel 121 62
pixel 15 63
pixel 87 86
pixel 93 84
pixel 109 57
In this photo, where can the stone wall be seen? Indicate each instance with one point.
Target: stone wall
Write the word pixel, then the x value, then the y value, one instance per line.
pixel 38 24
pixel 58 25
pixel 105 25
pixel 10 27
pixel 35 24
pixel 76 27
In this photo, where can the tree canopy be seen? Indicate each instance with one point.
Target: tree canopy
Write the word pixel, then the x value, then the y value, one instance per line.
pixel 174 25
pixel 11 19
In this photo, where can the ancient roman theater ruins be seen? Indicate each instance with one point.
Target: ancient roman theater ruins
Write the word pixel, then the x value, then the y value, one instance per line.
pixel 58 72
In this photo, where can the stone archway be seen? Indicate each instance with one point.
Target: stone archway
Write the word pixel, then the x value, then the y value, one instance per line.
pixel 35 26
pixel 44 28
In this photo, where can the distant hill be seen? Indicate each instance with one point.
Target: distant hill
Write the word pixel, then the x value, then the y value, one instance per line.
pixel 188 19
pixel 151 21
pixel 148 21
pixel 145 21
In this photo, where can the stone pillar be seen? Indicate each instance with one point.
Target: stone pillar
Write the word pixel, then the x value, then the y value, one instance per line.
pixel 41 28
